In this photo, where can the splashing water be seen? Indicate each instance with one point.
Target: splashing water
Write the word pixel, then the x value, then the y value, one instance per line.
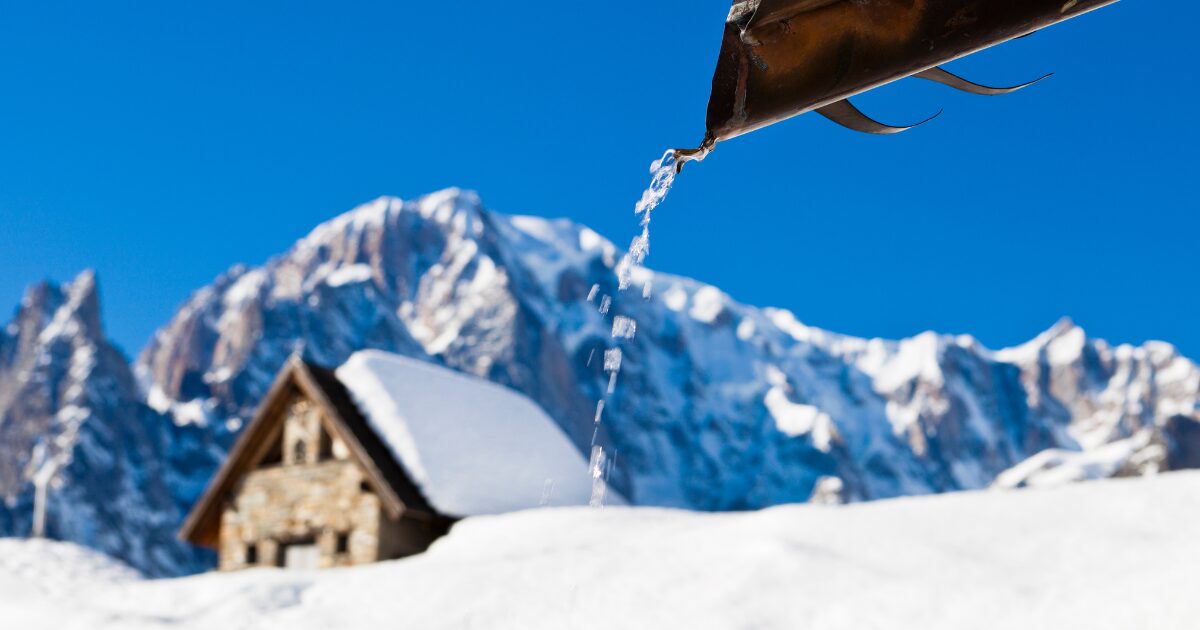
pixel 624 327
pixel 662 177
pixel 599 471
pixel 612 360
pixel 612 365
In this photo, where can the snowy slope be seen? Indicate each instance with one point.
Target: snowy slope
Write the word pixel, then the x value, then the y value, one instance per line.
pixel 1106 555
pixel 473 447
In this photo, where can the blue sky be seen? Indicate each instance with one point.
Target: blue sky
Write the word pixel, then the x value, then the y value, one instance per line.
pixel 161 144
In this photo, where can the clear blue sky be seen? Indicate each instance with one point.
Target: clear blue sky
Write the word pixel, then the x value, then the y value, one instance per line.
pixel 161 144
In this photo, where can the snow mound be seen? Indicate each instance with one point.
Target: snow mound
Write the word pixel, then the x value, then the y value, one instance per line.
pixel 1114 554
pixel 35 572
pixel 472 447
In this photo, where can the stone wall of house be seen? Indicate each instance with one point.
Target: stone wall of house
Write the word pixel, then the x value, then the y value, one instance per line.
pixel 318 502
pixel 311 491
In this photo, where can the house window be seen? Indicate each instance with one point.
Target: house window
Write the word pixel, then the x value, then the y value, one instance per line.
pixel 252 554
pixel 300 452
pixel 343 543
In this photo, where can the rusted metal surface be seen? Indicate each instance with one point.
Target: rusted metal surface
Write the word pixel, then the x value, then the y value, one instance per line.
pixel 783 58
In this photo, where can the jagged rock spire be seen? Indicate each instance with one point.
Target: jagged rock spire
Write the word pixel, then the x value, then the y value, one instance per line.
pixel 81 458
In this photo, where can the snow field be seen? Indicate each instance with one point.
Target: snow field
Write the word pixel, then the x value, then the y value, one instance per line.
pixel 1114 554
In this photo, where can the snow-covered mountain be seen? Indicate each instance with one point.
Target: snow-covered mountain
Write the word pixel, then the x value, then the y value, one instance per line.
pixel 81 457
pixel 718 405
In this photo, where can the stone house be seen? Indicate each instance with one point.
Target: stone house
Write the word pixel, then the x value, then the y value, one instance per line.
pixel 376 461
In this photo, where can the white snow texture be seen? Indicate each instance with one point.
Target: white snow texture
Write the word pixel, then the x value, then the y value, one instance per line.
pixel 1114 554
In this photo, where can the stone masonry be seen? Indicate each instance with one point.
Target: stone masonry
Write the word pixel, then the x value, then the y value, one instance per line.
pixel 307 491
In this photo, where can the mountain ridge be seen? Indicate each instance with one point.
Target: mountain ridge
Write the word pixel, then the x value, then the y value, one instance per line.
pixel 505 272
pixel 718 406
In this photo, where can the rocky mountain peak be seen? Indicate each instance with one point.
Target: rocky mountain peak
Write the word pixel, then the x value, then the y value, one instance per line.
pixel 37 308
pixel 718 404
pixel 81 458
pixel 78 316
pixel 1063 343
pixel 48 310
pixel 383 275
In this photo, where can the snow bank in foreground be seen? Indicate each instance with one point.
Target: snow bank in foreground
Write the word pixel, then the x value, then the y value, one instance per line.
pixel 1112 554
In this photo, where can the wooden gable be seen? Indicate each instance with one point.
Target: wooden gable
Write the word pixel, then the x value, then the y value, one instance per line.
pixel 263 436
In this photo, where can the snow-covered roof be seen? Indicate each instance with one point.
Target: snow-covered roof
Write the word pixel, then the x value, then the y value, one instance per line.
pixel 470 446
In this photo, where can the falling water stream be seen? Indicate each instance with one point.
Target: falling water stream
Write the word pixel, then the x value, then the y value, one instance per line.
pixel 662 176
